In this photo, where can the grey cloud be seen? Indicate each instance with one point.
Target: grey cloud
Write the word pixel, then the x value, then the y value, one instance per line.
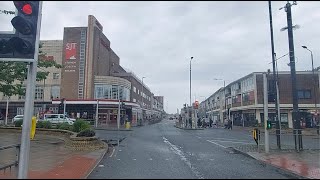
pixel 156 39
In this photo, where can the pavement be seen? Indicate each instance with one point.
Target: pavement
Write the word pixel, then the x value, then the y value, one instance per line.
pixel 303 164
pixel 49 158
pixel 305 131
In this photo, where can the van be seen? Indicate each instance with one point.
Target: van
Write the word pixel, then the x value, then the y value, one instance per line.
pixel 58 118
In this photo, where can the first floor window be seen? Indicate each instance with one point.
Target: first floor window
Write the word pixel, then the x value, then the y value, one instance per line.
pixel 38 93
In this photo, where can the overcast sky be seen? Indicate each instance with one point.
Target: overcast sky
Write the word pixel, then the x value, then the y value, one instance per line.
pixel 228 40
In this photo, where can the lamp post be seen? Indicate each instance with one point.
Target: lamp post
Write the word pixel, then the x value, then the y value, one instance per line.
pixel 190 81
pixel 314 79
pixel 142 98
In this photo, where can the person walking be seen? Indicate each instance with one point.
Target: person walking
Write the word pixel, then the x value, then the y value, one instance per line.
pixel 230 124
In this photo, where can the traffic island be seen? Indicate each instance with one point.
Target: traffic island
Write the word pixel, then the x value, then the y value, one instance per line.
pixel 56 154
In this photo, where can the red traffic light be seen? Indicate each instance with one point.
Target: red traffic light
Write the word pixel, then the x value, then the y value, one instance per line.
pixel 24 7
pixel 27 9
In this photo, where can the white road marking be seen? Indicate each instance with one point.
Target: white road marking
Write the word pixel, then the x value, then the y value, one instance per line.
pixel 101 165
pixel 228 139
pixel 118 159
pixel 216 144
pixel 134 159
pixel 177 151
pixel 150 159
pixel 112 152
pixel 120 150
pixel 211 159
pixel 234 142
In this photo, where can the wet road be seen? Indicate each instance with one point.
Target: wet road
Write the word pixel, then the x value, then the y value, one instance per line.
pixel 163 151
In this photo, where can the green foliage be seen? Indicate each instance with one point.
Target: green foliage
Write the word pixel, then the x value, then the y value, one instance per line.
pixel 13 74
pixel 86 133
pixel 44 124
pixel 64 126
pixel 18 123
pixel 80 125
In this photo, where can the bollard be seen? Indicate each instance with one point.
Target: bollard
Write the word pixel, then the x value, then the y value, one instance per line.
pixel 33 127
pixel 128 125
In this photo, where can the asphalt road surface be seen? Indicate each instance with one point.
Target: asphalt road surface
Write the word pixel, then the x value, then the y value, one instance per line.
pixel 163 151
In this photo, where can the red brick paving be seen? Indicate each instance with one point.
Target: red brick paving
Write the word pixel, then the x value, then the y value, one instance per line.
pixel 50 160
pixel 76 167
pixel 308 167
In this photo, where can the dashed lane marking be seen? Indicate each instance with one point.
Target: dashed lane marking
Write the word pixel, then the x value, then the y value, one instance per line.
pixel 216 144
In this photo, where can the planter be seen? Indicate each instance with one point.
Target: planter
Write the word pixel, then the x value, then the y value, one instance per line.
pixel 71 140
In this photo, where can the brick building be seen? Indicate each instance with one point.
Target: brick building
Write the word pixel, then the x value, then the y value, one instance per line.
pixel 242 100
pixel 91 77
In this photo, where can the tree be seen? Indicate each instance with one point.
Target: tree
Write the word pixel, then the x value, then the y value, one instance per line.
pixel 13 74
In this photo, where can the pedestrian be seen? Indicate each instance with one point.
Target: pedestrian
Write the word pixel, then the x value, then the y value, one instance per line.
pixel 199 123
pixel 210 122
pixel 229 124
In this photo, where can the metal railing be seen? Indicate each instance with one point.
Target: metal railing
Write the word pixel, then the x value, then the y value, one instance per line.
pixel 16 162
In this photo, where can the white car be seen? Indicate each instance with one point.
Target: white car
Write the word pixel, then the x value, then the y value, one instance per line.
pixel 58 118
pixel 17 118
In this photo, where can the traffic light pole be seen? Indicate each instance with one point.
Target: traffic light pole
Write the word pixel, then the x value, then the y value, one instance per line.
pixel 265 111
pixel 28 106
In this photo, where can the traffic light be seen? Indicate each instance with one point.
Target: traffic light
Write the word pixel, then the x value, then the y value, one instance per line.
pixel 269 125
pixel 196 104
pixel 21 43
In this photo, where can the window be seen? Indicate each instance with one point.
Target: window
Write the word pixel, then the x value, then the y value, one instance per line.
pixel 38 93
pixel 134 100
pixel 284 117
pixel 134 89
pixel 55 92
pixel 304 94
pixel 55 75
pixel 98 92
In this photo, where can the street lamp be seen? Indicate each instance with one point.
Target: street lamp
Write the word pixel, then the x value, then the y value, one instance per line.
pixel 142 98
pixel 190 80
pixel 314 78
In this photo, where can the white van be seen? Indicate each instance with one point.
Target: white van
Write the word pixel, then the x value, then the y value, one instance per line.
pixel 58 118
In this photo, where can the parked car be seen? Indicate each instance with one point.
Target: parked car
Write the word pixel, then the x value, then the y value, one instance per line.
pixel 17 118
pixel 58 118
